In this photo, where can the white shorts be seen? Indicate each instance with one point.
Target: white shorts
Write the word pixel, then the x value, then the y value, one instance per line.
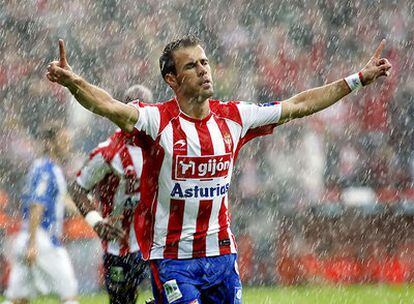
pixel 51 273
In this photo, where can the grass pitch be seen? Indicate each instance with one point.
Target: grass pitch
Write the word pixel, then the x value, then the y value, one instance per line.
pixel 355 294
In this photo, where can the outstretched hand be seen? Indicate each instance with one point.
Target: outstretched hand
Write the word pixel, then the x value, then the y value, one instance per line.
pixel 59 70
pixel 376 66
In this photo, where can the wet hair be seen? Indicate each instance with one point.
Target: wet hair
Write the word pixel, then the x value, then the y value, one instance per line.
pixel 139 92
pixel 167 64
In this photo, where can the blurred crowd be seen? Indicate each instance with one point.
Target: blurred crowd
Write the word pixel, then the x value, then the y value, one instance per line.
pixel 260 51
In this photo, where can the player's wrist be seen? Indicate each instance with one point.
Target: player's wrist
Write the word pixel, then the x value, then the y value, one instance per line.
pixel 354 81
pixel 93 217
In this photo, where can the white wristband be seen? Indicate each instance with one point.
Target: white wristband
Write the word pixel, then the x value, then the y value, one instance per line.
pixel 93 217
pixel 354 81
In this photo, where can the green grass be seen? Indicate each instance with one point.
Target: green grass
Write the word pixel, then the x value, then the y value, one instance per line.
pixel 356 294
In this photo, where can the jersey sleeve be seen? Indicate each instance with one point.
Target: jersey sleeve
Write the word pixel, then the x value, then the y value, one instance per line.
pixel 40 188
pixel 94 171
pixel 149 119
pixel 258 115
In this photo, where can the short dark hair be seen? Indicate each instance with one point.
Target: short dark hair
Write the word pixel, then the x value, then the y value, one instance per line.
pixel 167 64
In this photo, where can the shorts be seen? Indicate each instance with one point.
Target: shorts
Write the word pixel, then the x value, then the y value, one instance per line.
pixel 123 274
pixel 201 280
pixel 51 273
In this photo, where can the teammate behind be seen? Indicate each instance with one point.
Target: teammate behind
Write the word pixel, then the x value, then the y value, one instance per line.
pixel 183 222
pixel 112 177
pixel 40 265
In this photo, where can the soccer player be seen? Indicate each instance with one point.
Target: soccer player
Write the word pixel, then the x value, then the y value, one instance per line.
pixel 39 262
pixel 112 176
pixel 182 223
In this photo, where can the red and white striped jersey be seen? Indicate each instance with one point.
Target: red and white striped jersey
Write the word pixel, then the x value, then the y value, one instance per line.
pixel 113 172
pixel 185 186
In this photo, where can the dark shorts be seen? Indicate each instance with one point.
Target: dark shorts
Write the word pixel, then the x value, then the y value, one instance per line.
pixel 123 275
pixel 211 280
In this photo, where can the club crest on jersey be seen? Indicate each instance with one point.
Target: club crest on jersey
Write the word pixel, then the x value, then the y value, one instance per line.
pixel 227 141
pixel 202 167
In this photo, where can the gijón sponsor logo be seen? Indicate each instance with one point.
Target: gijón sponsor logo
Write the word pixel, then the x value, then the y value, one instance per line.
pixel 202 167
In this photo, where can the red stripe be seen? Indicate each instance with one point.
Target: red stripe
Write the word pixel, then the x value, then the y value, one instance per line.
pixel 223 233
pixel 106 192
pixel 157 281
pixel 205 206
pixel 206 144
pixel 360 77
pixel 203 217
pixel 175 224
pixel 126 225
pixel 144 216
pixel 225 133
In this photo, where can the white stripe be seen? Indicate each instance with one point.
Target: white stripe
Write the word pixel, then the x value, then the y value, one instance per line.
pixel 185 246
pixel 149 120
pixel 133 244
pixel 212 246
pixel 165 183
pixel 137 159
pixel 216 137
pixel 116 165
pixel 193 142
pixel 93 172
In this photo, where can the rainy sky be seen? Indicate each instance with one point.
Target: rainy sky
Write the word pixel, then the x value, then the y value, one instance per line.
pixel 259 51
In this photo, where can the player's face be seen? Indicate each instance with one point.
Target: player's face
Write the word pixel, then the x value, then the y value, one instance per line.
pixel 193 78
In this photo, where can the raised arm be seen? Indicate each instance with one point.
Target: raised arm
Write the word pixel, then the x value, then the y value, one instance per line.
pixel 317 99
pixel 89 96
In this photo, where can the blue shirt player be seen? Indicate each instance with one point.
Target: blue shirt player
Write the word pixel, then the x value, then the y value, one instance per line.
pixel 40 265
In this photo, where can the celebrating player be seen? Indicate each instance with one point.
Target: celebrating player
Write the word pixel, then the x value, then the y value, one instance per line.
pixel 112 175
pixel 39 262
pixel 183 222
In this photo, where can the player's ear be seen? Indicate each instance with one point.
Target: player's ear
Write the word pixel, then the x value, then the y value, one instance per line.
pixel 171 80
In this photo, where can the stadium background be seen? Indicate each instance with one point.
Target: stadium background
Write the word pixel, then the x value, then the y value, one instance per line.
pixel 327 199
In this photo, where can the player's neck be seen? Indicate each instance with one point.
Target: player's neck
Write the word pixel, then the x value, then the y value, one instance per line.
pixel 193 108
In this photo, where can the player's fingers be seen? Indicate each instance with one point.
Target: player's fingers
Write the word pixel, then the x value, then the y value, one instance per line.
pixel 50 77
pixel 382 61
pixel 62 52
pixel 385 66
pixel 380 48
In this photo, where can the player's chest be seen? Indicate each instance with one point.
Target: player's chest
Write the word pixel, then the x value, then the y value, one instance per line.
pixel 198 150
